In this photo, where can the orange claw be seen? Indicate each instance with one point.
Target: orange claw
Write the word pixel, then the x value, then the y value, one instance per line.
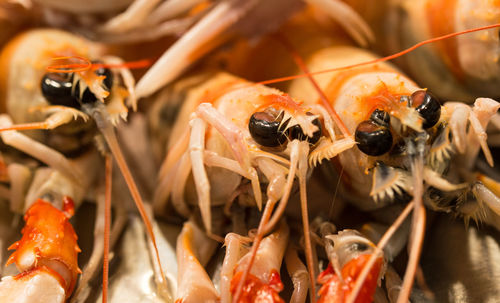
pixel 335 290
pixel 48 240
pixel 255 290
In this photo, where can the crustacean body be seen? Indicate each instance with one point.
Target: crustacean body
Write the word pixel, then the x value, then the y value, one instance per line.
pixel 46 256
pixel 350 252
pixel 402 134
pixel 72 100
pixel 240 129
pixel 459 68
pixel 263 283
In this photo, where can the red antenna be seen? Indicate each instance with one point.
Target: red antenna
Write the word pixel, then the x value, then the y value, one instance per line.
pixel 383 59
pixel 75 64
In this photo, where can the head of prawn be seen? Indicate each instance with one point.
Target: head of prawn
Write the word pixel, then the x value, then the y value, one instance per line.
pixel 395 131
pixel 281 120
pixel 74 87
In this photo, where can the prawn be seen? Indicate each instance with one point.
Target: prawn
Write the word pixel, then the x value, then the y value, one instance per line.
pixel 57 94
pixel 370 97
pixel 400 103
pixel 239 130
pixel 230 19
pixel 455 69
pixel 194 249
pixel 115 21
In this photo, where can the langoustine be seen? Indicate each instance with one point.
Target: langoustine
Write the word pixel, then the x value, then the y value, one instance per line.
pixel 459 68
pixel 35 90
pixel 239 129
pixel 263 283
pixel 376 103
pixel 234 18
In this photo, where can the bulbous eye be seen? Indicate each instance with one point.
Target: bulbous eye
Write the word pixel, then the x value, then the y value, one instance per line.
pixel 87 96
pixel 57 88
pixel 295 132
pixel 373 139
pixel 265 129
pixel 358 247
pixel 427 106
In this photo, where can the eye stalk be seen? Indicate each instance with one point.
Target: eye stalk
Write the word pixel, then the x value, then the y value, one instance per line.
pixel 374 136
pixel 265 128
pixel 427 106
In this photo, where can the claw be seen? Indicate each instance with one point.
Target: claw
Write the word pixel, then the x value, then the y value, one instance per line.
pixel 203 37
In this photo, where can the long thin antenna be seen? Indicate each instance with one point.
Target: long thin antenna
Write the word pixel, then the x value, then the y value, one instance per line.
pixel 324 99
pixel 108 133
pixel 378 250
pixel 107 225
pixel 387 58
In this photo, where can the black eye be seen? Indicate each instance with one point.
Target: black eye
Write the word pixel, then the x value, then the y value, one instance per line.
pixel 295 132
pixel 427 106
pixel 87 96
pixel 57 87
pixel 373 139
pixel 265 129
pixel 358 247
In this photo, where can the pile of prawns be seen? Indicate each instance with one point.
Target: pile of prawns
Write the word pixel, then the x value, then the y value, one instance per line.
pixel 398 148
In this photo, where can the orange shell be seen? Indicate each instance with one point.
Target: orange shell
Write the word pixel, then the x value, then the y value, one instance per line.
pixel 254 290
pixel 337 291
pixel 48 235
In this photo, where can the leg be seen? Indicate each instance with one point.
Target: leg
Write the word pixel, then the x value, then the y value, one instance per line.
pixel 298 274
pixel 179 183
pixel 434 179
pixel 196 149
pixel 167 173
pixel 212 159
pixel 203 37
pixel 171 8
pixel 59 115
pixel 233 243
pixel 488 194
pixel 235 138
pixel 20 177
pixel 484 109
pixel 128 80
pixel 39 151
pixel 347 18
pixel 134 16
pixel 194 284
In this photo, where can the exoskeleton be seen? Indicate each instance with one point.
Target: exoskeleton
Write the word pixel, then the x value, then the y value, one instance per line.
pixel 407 142
pixel 233 136
pixel 459 68
pixel 57 82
